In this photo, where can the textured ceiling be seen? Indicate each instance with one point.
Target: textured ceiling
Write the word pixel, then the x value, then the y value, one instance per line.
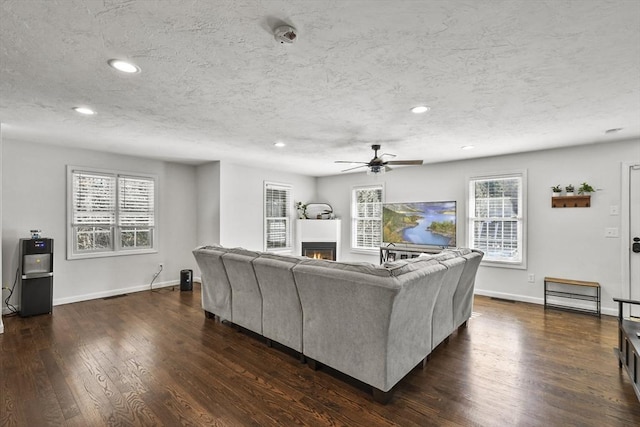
pixel 504 76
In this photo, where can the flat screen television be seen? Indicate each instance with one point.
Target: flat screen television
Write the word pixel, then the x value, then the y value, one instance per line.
pixel 420 223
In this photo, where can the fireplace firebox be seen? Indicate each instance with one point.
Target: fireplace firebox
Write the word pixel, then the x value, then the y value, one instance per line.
pixel 319 250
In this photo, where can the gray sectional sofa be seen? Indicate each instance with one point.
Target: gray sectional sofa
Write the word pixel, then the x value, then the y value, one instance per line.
pixel 373 323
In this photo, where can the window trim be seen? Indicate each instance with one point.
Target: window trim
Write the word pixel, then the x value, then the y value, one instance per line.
pixel 289 219
pixel 117 249
pixel 522 173
pixel 354 248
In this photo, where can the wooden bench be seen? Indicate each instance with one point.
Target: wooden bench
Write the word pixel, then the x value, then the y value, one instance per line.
pixel 628 350
pixel 572 295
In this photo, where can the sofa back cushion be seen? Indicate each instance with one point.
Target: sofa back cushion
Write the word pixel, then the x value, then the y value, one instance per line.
pixel 246 298
pixel 281 309
pixel 216 290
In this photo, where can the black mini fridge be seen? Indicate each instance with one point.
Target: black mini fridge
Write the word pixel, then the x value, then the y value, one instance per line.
pixel 36 276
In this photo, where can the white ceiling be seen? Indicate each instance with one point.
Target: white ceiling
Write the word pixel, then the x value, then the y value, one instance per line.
pixel 504 76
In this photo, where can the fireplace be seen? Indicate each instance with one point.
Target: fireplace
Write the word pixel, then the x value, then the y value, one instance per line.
pixel 319 238
pixel 319 250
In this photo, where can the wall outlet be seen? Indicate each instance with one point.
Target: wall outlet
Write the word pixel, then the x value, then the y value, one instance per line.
pixel 531 278
pixel 611 232
pixel 614 210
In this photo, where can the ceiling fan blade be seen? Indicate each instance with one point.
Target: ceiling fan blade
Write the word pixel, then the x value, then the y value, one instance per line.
pixel 405 162
pixel 357 167
pixel 348 161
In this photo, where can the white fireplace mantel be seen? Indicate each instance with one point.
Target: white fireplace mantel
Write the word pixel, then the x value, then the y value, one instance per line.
pixel 318 230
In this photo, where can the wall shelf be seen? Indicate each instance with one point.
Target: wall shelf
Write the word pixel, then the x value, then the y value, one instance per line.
pixel 571 202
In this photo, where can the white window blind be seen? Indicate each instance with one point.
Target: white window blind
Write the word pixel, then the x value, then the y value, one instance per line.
pixel 110 213
pixel 277 213
pixel 366 229
pixel 136 201
pixel 496 217
pixel 94 199
pixel 94 212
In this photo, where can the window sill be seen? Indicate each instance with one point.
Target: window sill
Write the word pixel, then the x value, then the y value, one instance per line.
pixel 283 251
pixel 111 254
pixel 375 251
pixel 505 264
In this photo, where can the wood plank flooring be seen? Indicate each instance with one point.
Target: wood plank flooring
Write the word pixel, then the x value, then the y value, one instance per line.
pixel 154 359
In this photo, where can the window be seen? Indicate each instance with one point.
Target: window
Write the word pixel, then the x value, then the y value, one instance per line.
pixel 110 213
pixel 366 214
pixel 496 218
pixel 277 216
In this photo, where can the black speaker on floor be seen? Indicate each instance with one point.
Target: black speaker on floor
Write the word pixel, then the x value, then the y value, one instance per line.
pixel 186 280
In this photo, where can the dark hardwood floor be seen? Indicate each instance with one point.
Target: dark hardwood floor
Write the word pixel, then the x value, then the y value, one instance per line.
pixel 154 359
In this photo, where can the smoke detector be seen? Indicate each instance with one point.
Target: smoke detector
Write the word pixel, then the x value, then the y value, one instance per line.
pixel 285 34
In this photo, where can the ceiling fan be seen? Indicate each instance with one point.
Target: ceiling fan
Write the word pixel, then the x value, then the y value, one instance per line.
pixel 378 164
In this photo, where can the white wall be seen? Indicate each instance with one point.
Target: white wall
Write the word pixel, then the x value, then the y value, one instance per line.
pixel 567 242
pixel 34 196
pixel 208 205
pixel 241 198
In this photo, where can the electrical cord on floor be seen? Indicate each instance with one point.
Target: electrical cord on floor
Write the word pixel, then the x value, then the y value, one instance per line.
pixel 12 309
pixel 154 279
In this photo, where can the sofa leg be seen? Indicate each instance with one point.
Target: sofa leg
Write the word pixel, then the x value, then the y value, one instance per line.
pixel 464 325
pixel 302 358
pixel 269 343
pixel 446 340
pixel 209 315
pixel 311 363
pixel 425 361
pixel 382 397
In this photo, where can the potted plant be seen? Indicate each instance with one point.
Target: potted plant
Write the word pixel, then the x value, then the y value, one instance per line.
pixel 585 189
pixel 570 189
pixel 556 190
pixel 302 210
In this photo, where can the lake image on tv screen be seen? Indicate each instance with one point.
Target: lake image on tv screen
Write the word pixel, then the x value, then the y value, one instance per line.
pixel 421 223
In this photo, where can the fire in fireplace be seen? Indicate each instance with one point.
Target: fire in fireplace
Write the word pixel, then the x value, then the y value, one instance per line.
pixel 319 250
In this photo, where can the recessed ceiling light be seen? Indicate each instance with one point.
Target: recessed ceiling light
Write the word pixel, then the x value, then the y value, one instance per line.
pixel 419 109
pixel 468 147
pixel 84 110
pixel 279 144
pixel 614 130
pixel 124 66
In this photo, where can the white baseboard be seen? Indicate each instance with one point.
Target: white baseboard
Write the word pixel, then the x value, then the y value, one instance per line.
pixel 539 301
pixel 104 294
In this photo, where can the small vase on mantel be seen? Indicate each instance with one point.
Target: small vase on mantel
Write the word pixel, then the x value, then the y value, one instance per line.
pixel 570 189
